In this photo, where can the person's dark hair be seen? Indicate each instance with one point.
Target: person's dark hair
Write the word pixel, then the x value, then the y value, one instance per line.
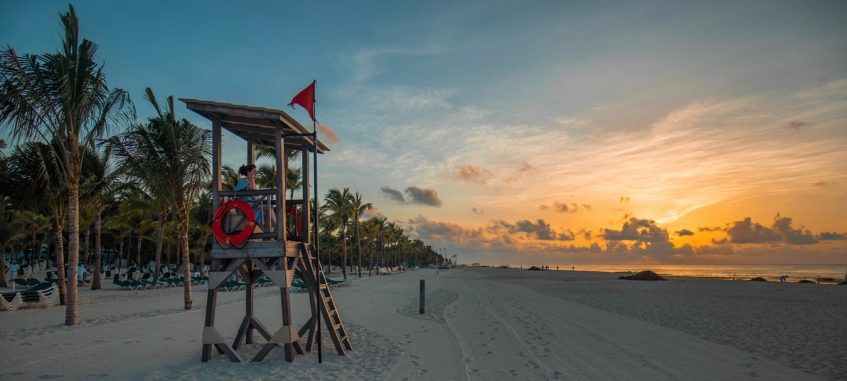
pixel 245 169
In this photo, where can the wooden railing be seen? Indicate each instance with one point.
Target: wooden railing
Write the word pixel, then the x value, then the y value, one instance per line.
pixel 265 200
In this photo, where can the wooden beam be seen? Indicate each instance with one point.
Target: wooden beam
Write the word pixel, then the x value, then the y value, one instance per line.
pixel 216 162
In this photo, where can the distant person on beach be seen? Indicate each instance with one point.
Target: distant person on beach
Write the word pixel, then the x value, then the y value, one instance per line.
pixel 13 273
pixel 782 278
pixel 81 274
pixel 248 182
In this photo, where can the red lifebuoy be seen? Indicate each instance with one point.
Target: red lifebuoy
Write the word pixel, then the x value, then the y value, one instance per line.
pixel 239 237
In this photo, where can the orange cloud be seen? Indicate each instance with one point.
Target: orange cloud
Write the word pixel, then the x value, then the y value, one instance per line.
pixel 328 133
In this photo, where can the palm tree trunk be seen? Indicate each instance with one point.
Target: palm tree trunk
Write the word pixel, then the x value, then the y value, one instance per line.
pixel 120 256
pixel 358 246
pixel 60 262
pixel 344 252
pixel 162 217
pixel 95 283
pixel 3 281
pixel 138 252
pixel 86 247
pixel 71 312
pixel 186 261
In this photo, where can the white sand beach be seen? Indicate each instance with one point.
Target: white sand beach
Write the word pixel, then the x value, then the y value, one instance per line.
pixel 481 324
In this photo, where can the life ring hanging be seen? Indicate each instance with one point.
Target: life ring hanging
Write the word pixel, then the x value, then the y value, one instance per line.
pixel 295 215
pixel 235 238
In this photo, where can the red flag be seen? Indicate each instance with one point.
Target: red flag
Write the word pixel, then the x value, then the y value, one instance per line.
pixel 306 99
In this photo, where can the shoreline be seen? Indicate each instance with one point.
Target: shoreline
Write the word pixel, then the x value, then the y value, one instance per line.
pixel 837 274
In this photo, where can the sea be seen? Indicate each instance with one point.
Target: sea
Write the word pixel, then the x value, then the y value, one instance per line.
pixel 769 272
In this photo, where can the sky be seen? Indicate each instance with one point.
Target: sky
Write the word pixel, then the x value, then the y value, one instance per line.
pixel 526 132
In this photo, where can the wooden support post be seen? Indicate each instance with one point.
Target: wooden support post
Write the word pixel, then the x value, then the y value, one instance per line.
pixel 249 279
pixel 210 321
pixel 423 296
pixel 216 162
pixel 279 142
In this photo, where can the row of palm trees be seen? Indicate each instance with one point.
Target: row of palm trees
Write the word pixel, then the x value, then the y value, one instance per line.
pixel 138 194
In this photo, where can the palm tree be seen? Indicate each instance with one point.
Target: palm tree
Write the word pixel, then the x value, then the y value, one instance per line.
pixel 33 225
pixel 9 234
pixel 39 176
pixel 370 231
pixel 172 158
pixel 381 227
pixel 100 183
pixel 61 96
pixel 229 177
pixel 118 226
pixel 293 180
pixel 266 176
pixel 358 208
pixel 338 203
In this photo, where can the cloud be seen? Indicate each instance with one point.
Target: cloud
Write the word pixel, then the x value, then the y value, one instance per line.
pixel 372 212
pixel 328 133
pixel 563 207
pixel 832 236
pixel 684 232
pixel 710 229
pixel 544 207
pixel 471 173
pixel 636 240
pixel 747 231
pixel 798 124
pixel 423 196
pixel 540 230
pixel 825 183
pixel 637 230
pixel 790 235
pixel 393 194
pixel 413 195
pixel 517 173
pixel 477 211
pixel 442 232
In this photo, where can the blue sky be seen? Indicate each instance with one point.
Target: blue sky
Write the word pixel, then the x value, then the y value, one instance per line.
pixel 689 114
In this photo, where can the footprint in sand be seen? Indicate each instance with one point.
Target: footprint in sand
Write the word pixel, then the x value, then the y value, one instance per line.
pixel 26 343
pixel 513 372
pixel 48 376
pixel 100 375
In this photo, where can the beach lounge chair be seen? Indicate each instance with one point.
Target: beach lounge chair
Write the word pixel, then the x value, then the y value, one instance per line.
pixel 337 283
pixel 10 301
pixel 42 295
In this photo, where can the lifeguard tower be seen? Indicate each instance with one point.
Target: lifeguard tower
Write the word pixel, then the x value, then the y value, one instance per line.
pixel 276 249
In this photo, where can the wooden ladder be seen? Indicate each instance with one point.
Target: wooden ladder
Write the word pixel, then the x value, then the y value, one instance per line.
pixel 315 278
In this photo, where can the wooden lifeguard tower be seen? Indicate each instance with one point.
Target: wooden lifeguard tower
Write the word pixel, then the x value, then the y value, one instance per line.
pixel 281 248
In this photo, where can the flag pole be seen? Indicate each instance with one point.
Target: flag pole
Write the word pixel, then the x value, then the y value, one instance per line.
pixel 317 218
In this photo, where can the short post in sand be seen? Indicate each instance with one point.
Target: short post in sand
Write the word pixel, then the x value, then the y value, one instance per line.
pixel 423 297
pixel 276 249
